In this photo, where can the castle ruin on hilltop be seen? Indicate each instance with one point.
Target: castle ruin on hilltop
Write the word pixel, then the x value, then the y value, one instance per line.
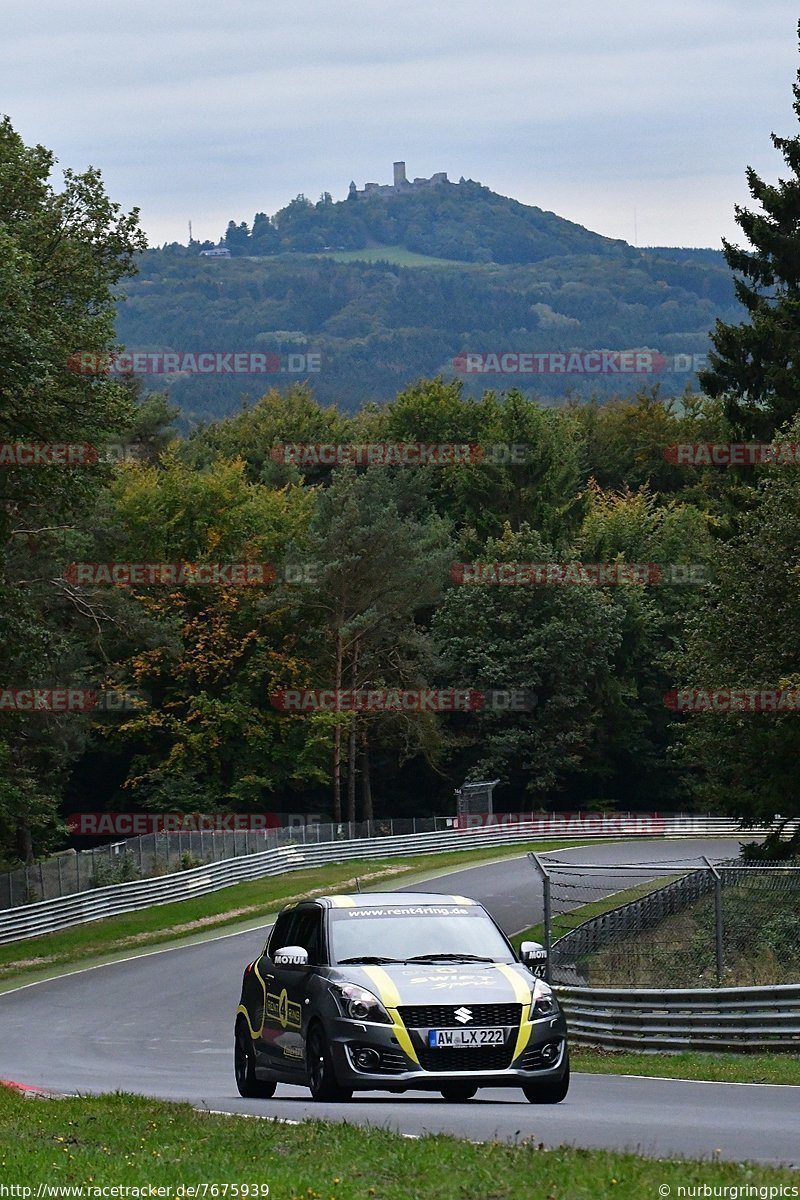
pixel 401 183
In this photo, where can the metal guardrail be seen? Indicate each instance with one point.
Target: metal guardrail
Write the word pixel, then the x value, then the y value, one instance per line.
pixel 721 1019
pixel 163 852
pixel 48 916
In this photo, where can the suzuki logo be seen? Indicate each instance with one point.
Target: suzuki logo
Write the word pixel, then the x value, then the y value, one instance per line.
pixel 462 1015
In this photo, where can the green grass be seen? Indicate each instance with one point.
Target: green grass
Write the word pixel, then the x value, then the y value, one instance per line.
pixel 761 943
pixel 132 1141
pixel 566 922
pixel 397 255
pixel 239 904
pixel 718 1068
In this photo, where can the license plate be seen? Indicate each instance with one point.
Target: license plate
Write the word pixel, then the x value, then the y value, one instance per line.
pixel 439 1039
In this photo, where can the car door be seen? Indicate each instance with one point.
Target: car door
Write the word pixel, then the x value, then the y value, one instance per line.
pixel 258 984
pixel 283 1034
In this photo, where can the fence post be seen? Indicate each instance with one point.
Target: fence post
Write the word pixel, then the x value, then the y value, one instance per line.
pixel 717 919
pixel 548 917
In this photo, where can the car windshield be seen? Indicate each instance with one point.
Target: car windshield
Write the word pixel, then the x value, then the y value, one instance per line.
pixel 450 932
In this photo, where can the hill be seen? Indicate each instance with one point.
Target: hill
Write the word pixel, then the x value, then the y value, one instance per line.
pixel 364 296
pixel 464 221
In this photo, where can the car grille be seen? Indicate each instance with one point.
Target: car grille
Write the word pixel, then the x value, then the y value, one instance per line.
pixel 393 1062
pixel 442 1016
pixel 474 1059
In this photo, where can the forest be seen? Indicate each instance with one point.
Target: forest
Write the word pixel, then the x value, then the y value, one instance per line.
pixel 567 567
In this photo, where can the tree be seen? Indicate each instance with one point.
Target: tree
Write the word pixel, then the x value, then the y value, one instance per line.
pixel 62 253
pixel 754 364
pixel 213 653
pixel 636 736
pixel 540 490
pixel 381 563
pixel 557 643
pixel 746 636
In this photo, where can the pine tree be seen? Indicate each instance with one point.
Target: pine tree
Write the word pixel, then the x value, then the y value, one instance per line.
pixel 754 364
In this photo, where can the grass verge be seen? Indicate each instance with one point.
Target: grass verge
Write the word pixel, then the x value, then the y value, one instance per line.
pixel 132 1141
pixel 566 922
pixel 716 1068
pixel 230 907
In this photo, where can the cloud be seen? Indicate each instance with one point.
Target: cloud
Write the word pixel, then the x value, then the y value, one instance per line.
pixel 216 111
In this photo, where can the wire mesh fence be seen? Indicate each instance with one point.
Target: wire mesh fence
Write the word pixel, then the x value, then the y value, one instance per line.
pixel 672 924
pixel 157 854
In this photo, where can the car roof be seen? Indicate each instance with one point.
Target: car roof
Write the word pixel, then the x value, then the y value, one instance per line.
pixel 395 899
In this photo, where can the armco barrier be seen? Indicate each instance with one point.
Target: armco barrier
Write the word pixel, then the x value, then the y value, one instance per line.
pixel 720 1019
pixel 47 916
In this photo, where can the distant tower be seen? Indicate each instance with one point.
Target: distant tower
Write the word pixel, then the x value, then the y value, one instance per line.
pixel 399 174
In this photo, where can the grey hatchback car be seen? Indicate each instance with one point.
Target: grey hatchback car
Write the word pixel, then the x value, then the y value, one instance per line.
pixel 396 991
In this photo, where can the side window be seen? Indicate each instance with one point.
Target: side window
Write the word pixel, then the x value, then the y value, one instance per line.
pixel 308 934
pixel 281 931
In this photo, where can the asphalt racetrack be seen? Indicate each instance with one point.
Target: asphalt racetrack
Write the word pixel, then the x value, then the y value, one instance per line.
pixel 162 1024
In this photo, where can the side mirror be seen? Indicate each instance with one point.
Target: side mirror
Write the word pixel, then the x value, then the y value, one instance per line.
pixel 534 957
pixel 291 957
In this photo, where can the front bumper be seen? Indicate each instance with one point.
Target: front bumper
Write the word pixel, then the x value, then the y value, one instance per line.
pixel 536 1051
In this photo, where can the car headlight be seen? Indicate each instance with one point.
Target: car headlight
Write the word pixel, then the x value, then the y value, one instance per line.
pixel 543 1002
pixel 359 1004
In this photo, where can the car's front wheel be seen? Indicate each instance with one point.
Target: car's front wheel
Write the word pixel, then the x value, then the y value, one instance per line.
pixel 321 1076
pixel 552 1091
pixel 456 1092
pixel 244 1066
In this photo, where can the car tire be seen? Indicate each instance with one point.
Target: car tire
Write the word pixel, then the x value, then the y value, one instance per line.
pixel 321 1074
pixel 456 1092
pixel 244 1067
pixel 552 1091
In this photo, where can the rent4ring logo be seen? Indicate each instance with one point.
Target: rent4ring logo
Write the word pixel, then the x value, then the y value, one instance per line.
pixel 195 362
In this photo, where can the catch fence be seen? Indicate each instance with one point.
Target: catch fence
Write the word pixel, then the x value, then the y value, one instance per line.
pixel 711 925
pixel 164 853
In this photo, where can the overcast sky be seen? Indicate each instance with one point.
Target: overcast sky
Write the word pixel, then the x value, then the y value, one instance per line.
pixel 634 119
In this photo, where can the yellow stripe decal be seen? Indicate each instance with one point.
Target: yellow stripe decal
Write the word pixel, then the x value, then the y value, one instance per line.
pixel 241 1009
pixel 254 1033
pixel 522 994
pixel 343 902
pixel 390 998
pixel 461 899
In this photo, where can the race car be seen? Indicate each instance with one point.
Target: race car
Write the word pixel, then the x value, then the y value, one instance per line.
pixel 397 991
